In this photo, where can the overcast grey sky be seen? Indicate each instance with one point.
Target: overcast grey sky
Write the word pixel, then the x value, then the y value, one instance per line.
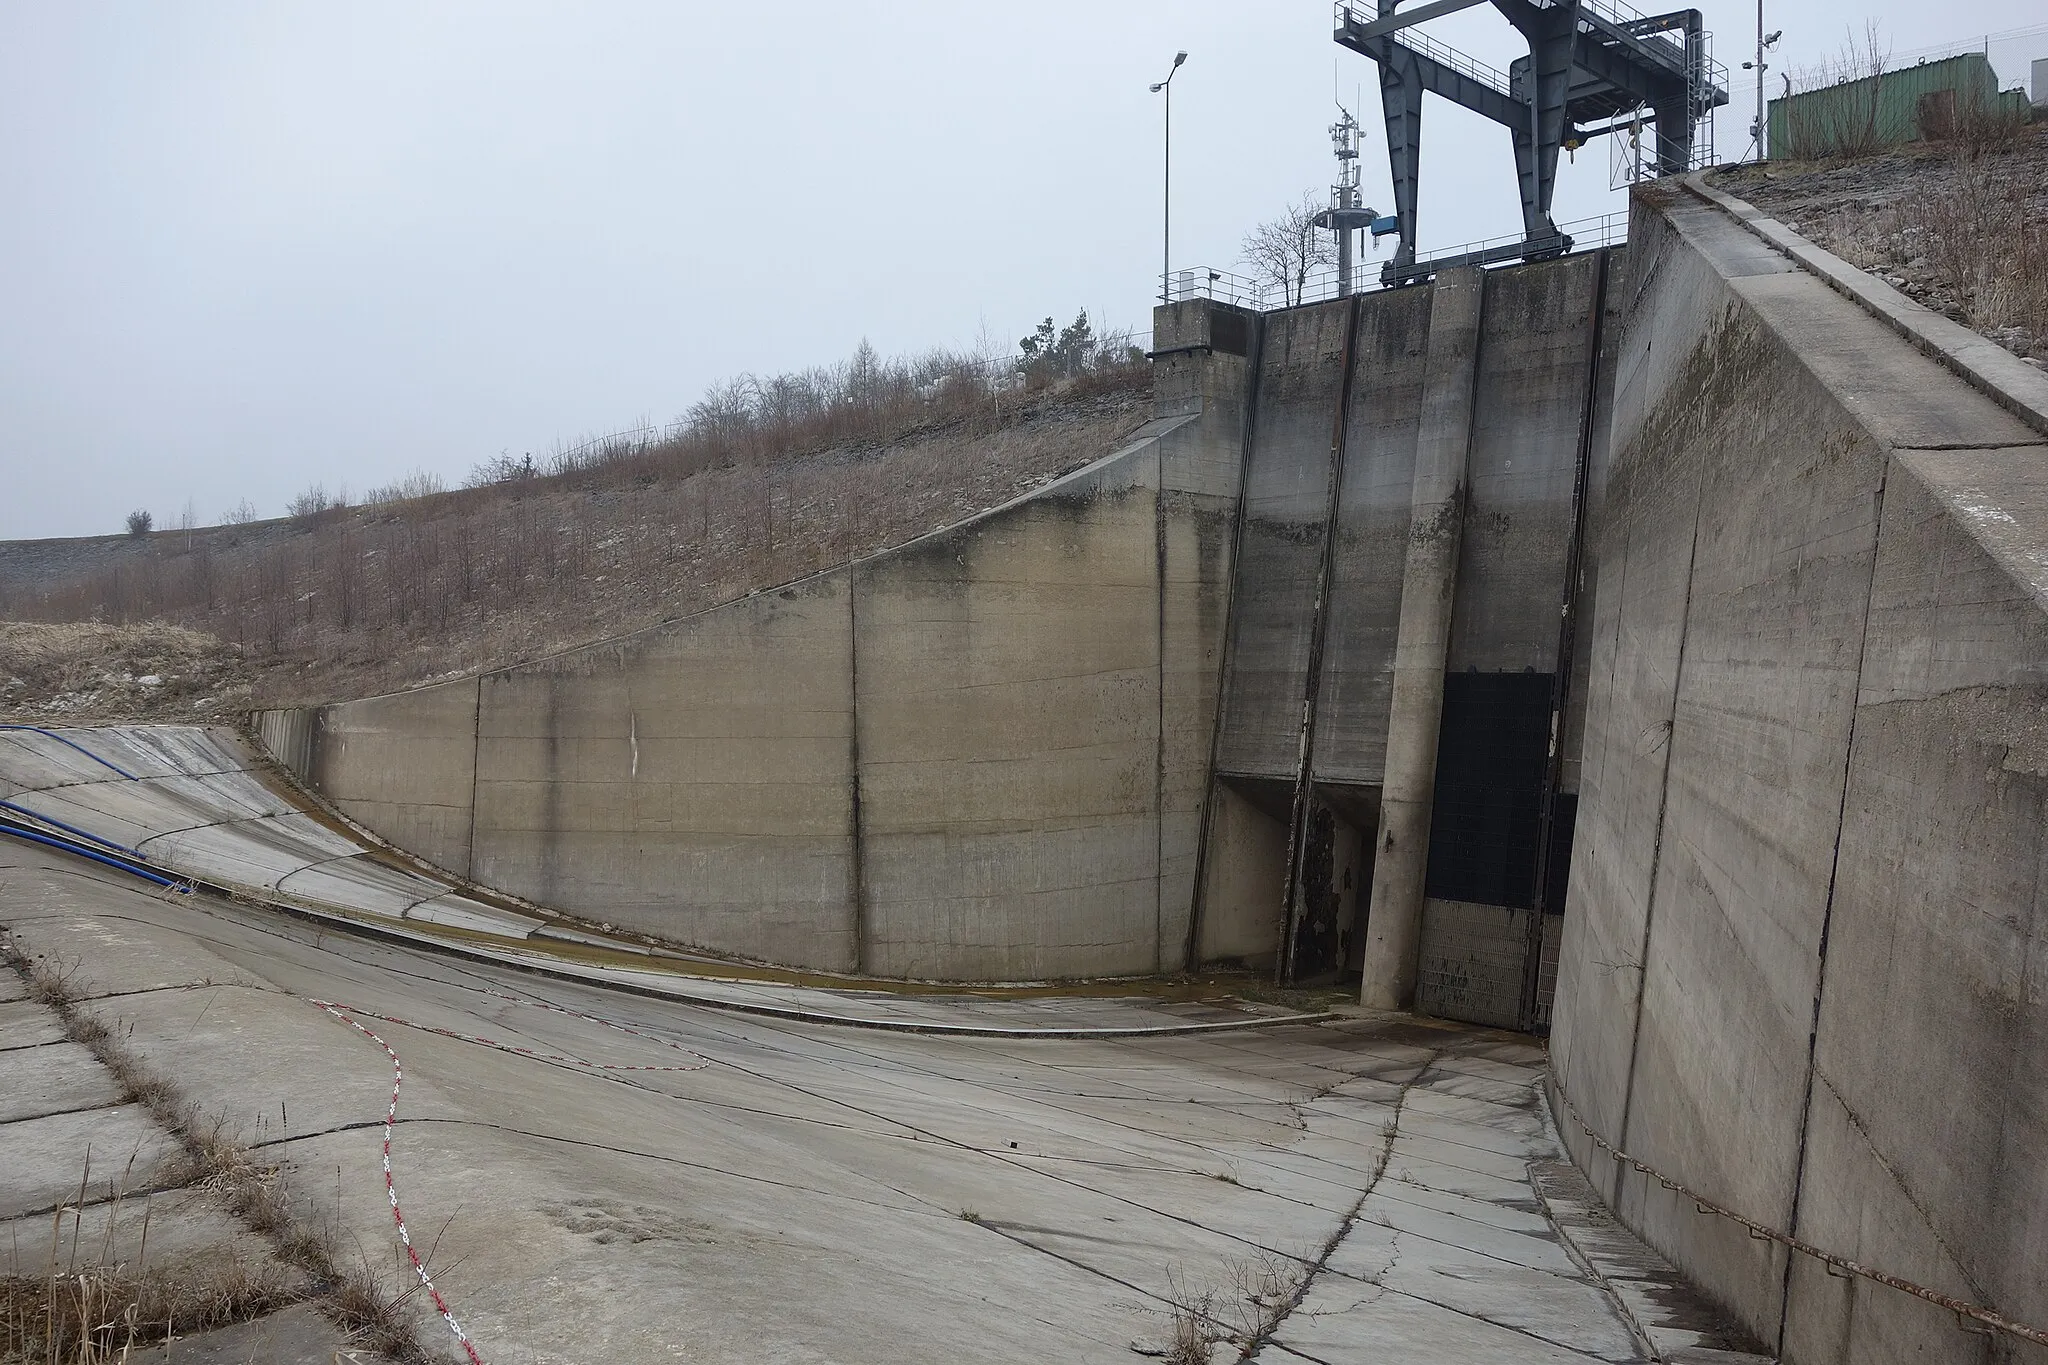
pixel 250 246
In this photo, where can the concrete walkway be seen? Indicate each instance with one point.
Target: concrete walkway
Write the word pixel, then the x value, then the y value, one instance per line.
pixel 626 1178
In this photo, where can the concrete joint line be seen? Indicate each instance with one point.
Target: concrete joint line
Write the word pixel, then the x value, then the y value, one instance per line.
pixel 1628 1090
pixel 403 932
pixel 208 824
pixel 1312 674
pixel 1827 920
pixel 1246 427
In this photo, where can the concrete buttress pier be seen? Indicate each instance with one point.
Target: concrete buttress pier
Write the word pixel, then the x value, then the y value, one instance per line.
pixel 1428 581
pixel 1802 973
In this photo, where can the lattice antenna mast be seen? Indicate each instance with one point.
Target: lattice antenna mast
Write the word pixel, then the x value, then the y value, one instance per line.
pixel 1347 214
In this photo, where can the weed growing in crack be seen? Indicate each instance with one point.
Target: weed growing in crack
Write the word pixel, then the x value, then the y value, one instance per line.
pixel 90 1314
pixel 1192 1325
pixel 1268 1288
pixel 1265 1289
pixel 110 1299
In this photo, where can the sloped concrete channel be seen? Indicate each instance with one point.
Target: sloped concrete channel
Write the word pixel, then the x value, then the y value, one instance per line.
pixel 624 1176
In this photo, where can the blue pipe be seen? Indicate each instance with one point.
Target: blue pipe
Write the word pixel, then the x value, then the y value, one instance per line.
pixel 74 744
pixel 70 829
pixel 67 846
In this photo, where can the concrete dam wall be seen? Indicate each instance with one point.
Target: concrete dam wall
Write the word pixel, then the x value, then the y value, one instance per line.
pixel 1657 640
pixel 994 752
pixel 1492 375
pixel 1803 971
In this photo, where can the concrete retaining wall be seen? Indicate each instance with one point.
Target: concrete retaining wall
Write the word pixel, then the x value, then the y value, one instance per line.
pixel 1801 973
pixel 981 755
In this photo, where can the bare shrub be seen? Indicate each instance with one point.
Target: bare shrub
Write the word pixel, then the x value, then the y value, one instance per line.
pixel 1978 241
pixel 1987 123
pixel 1841 116
pixel 419 484
pixel 310 506
pixel 139 521
pixel 241 514
pixel 501 468
pixel 1192 1326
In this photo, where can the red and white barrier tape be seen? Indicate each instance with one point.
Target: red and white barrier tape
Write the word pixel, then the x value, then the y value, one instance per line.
pixel 346 1013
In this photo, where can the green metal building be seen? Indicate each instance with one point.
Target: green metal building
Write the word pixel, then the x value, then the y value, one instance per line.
pixel 1931 100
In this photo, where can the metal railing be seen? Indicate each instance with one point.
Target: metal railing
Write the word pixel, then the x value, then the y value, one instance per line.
pixel 1621 15
pixel 1462 63
pixel 1266 295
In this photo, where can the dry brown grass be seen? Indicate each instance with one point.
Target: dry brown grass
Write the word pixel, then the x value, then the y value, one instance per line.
pixel 100 1312
pixel 107 1301
pixel 101 667
pixel 371 599
pixel 1981 244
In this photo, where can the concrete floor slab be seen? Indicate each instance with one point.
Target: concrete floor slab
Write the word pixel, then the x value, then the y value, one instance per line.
pixel 1507 1217
pixel 27 1024
pixel 44 1160
pixel 1460 1241
pixel 1344 1320
pixel 182 1224
pixel 772 1189
pixel 53 1079
pixel 1560 1310
pixel 295 1336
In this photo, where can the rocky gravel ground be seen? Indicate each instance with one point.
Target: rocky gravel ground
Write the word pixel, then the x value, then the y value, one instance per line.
pixel 1961 228
pixel 70 671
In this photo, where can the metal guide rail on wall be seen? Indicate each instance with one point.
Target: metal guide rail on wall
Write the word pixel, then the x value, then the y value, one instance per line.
pixel 1840 1266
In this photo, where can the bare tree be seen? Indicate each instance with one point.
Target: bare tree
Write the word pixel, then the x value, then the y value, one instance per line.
pixel 1847 94
pixel 1287 250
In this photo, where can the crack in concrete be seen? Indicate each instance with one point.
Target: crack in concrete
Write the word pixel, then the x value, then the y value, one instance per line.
pixel 1270 1329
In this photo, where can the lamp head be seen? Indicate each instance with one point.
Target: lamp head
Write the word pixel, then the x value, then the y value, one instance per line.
pixel 1159 87
pixel 1178 58
pixel 1772 41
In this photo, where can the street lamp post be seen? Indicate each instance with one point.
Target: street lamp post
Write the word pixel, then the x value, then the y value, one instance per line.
pixel 1764 42
pixel 1166 192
